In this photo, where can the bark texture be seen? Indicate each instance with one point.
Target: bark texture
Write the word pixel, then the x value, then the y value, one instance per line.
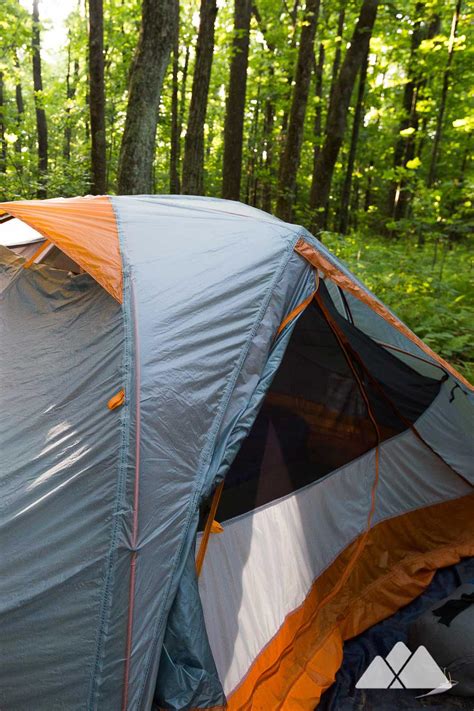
pixel 20 110
pixel 137 152
pixel 318 114
pixel 193 160
pixel 291 155
pixel 72 77
pixel 41 123
pixel 175 129
pixel 336 65
pixel 347 185
pixel 235 105
pixel 268 123
pixel 97 96
pixel 337 112
pixel 3 140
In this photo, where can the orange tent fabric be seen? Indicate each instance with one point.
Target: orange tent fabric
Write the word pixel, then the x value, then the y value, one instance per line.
pixel 84 228
pixel 315 634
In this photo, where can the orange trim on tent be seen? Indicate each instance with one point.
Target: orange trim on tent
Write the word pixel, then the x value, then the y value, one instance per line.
pixel 301 661
pixel 44 246
pixel 84 228
pixel 208 528
pixel 319 261
pixel 293 314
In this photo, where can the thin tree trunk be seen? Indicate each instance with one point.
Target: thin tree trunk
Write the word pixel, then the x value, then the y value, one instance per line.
pixel 71 85
pixel 20 110
pixel 252 153
pixel 337 114
pixel 193 160
pixel 235 105
pixel 67 122
pixel 175 134
pixel 396 202
pixel 338 53
pixel 291 155
pixel 3 140
pixel 346 188
pixel 444 96
pixel 137 152
pixel 41 123
pixel 97 97
pixel 268 122
pixel 182 98
pixel 318 115
pixel 290 76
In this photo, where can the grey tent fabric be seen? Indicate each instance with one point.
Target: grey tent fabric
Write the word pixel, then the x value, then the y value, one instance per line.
pixel 60 347
pixel 100 605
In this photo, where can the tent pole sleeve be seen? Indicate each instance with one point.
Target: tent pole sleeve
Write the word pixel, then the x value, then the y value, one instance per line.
pixel 40 252
pixel 207 530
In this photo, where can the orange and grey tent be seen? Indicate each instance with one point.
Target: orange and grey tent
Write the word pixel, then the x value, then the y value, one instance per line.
pixel 207 362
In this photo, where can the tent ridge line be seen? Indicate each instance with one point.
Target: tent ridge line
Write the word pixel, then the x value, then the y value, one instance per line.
pixel 331 271
pixel 107 591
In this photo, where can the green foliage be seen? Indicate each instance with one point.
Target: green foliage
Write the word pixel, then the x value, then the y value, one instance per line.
pixel 430 287
pixel 417 261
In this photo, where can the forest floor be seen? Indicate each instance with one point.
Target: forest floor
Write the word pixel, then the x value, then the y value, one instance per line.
pixel 430 287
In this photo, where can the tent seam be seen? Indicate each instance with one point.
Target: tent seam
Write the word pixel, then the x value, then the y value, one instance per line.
pixel 207 448
pixel 105 606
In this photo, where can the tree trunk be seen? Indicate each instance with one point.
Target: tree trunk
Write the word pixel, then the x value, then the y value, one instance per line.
pixel 291 155
pixel 251 189
pixel 346 188
pixel 137 152
pixel 3 140
pixel 182 98
pixel 397 201
pixel 338 53
pixel 318 115
pixel 175 134
pixel 20 110
pixel 290 74
pixel 444 96
pixel 41 124
pixel 337 113
pixel 97 97
pixel 268 121
pixel 193 161
pixel 235 105
pixel 71 85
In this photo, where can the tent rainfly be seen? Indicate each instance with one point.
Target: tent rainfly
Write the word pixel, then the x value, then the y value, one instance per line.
pixel 205 350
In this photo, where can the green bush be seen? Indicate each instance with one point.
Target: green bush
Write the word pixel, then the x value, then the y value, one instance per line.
pixel 430 287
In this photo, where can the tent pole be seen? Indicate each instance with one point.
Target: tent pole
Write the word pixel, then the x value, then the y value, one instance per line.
pixel 41 252
pixel 207 530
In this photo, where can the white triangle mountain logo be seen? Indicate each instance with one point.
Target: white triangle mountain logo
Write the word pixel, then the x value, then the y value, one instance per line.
pixel 403 670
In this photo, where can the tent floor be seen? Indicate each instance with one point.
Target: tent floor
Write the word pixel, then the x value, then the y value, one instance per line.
pixel 358 652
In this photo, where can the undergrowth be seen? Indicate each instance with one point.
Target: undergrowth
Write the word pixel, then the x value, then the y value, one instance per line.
pixel 430 287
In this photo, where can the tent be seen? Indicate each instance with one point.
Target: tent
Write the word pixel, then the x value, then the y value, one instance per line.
pixel 208 367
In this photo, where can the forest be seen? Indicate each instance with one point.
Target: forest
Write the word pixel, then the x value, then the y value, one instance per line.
pixel 353 117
